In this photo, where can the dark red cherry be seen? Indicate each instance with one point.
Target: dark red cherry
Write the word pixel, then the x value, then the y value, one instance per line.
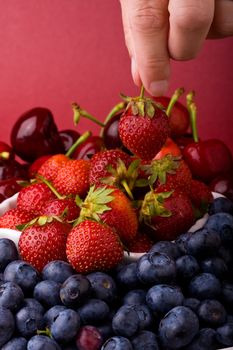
pixel 35 134
pixel 12 168
pixel 6 151
pixel 183 140
pixel 8 188
pixel 110 133
pixel 88 148
pixel 68 137
pixel 223 184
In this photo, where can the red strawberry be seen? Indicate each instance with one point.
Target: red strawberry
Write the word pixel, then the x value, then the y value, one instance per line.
pixel 65 208
pixel 201 197
pixel 43 241
pixel 49 168
pixel 14 217
pixel 111 206
pixel 140 244
pixel 33 197
pixel 170 147
pixel 93 246
pixel 143 127
pixel 36 165
pixel 167 214
pixel 73 178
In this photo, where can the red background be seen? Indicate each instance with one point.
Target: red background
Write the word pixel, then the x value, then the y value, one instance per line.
pixel 54 52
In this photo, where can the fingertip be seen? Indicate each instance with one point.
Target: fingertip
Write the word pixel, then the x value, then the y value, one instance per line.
pixel 158 88
pixel 135 73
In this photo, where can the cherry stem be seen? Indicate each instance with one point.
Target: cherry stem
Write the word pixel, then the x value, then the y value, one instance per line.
pixel 174 99
pixel 45 332
pixel 142 92
pixel 79 112
pixel 192 108
pixel 117 108
pixel 78 142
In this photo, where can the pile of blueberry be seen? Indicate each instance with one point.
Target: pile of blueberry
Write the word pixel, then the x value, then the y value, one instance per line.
pixel 177 296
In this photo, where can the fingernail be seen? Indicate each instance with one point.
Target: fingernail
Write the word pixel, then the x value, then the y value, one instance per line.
pixel 158 88
pixel 134 72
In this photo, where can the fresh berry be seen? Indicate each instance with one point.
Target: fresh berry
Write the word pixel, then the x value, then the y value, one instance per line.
pixel 170 147
pixel 201 197
pixel 35 166
pixel 89 338
pixel 65 208
pixel 47 292
pixel 88 148
pixel 75 290
pixel 68 137
pixel 7 325
pixel 66 326
pixel 221 205
pixel 8 188
pixel 57 270
pixel 8 252
pixel 141 243
pixel 15 217
pixel 50 167
pixel 28 321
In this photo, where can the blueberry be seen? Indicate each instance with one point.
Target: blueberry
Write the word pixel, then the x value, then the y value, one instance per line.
pixel 226 254
pixel 11 296
pixel 161 298
pixel 178 327
pixel 28 321
pixel 75 290
pixel 225 334
pixel 227 295
pixel 127 277
pixel 135 296
pixel 156 268
pixel 66 325
pixel 126 322
pixel 166 247
pixel 192 303
pixel 187 267
pixel 204 286
pixel 47 292
pixel 105 329
pixel 18 343
pixel 93 311
pixel 117 343
pixel 51 314
pixel 221 205
pixel 145 315
pixel 7 325
pixel 57 270
pixel 203 340
pixel 23 274
pixel 42 342
pixel 89 337
pixel 8 252
pixel 211 313
pixel 182 241
pixel 223 224
pixel 103 286
pixel 215 265
pixel 145 340
pixel 203 243
pixel 33 303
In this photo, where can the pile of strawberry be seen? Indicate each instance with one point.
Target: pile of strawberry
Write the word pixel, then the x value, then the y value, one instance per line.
pixel 89 211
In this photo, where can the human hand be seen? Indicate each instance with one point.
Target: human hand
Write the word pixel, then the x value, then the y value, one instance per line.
pixel 157 30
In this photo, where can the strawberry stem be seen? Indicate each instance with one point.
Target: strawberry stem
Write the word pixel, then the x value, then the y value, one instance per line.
pixel 142 92
pixel 174 99
pixel 79 112
pixel 192 108
pixel 127 189
pixel 78 142
pixel 44 180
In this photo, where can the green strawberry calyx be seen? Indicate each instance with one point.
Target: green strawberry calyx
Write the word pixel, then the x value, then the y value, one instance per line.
pixel 39 220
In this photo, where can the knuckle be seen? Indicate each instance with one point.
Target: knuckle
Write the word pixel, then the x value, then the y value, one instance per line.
pixel 148 19
pixel 192 18
pixel 158 64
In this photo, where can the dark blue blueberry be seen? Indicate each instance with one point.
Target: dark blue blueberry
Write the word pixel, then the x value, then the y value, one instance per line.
pixel 178 328
pixel 214 265
pixel 211 313
pixel 42 342
pixel 28 321
pixel 145 340
pixel 47 292
pixel 182 241
pixel 187 267
pixel 156 268
pixel 223 224
pixel 203 243
pixel 11 296
pixel 127 277
pixel 52 313
pixel 162 298
pixel 135 296
pixel 105 329
pixel 227 295
pixel 226 254
pixel 229 318
pixel 93 311
pixel 7 325
pixel 66 325
pixel 57 270
pixel 225 334
pixel 8 252
pixel 75 290
pixel 145 315
pixel 103 286
pixel 117 343
pixel 192 303
pixel 205 339
pixel 18 343
pixel 33 303
pixel 166 247
pixel 126 322
pixel 23 274
pixel 221 205
pixel 204 286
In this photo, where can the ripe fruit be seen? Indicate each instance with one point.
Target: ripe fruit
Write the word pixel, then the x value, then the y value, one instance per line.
pixel 68 137
pixel 93 246
pixel 170 147
pixel 65 208
pixel 111 132
pixel 14 217
pixel 143 127
pixel 223 184
pixel 6 152
pixel 35 166
pixel 201 197
pixel 8 188
pixel 11 168
pixel 88 148
pixel 50 167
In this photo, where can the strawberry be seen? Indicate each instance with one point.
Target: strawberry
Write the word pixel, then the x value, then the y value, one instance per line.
pixel 73 178
pixel 43 240
pixel 166 214
pixel 143 127
pixel 65 208
pixel 33 197
pixel 142 243
pixel 14 217
pixel 170 147
pixel 93 246
pixel 49 168
pixel 36 165
pixel 111 206
pixel 201 197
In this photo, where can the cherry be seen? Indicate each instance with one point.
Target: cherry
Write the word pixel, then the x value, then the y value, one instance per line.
pixel 89 338
pixel 110 133
pixel 88 148
pixel 12 168
pixel 8 188
pixel 183 140
pixel 6 151
pixel 68 137
pixel 35 134
pixel 223 184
